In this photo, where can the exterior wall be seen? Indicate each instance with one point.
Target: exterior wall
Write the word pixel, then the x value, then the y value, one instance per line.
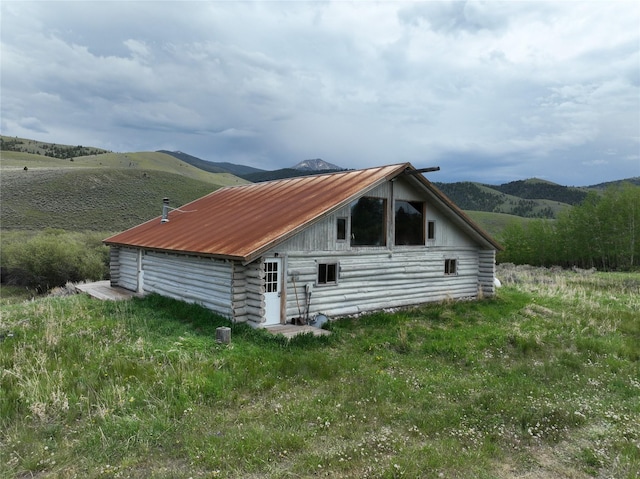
pixel 370 281
pixel 205 281
pixel 114 265
pixel 372 278
pixel 127 274
pixel 248 292
pixel 448 235
pixel 487 272
pixel 369 278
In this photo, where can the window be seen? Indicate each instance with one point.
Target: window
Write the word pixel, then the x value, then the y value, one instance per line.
pixel 271 277
pixel 409 223
pixel 450 266
pixel 341 229
pixel 431 230
pixel 368 222
pixel 327 273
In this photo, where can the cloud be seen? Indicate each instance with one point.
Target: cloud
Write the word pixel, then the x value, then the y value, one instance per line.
pixel 498 90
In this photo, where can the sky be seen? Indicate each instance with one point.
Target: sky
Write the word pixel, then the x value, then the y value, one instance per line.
pixel 488 91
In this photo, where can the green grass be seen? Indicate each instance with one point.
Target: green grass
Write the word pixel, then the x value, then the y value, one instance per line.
pixel 542 381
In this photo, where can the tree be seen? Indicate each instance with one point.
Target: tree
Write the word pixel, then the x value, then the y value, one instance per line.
pixel 602 231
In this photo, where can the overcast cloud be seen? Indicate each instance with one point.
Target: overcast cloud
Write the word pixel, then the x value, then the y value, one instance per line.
pixel 489 91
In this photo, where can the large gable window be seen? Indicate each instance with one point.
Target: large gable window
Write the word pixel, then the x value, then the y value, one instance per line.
pixel 368 222
pixel 409 223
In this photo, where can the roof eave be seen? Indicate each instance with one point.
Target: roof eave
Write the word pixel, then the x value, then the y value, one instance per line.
pixel 480 233
pixel 176 251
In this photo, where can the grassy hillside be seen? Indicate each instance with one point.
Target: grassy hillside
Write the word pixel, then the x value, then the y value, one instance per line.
pixel 98 199
pixel 541 382
pixel 103 192
pixel 479 197
pixel 535 188
pixel 495 223
pixel 53 150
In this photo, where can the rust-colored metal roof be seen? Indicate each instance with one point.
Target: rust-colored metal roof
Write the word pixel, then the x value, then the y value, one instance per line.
pixel 241 222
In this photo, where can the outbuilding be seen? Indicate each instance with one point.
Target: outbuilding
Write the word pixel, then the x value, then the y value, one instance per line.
pixel 333 244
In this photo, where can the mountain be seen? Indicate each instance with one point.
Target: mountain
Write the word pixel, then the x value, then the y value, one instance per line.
pixel 212 166
pixel 306 167
pixel 602 186
pixel 283 173
pixel 77 187
pixel 316 165
pixel 536 189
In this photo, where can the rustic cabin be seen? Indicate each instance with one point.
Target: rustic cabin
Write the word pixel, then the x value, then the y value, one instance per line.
pixel 328 245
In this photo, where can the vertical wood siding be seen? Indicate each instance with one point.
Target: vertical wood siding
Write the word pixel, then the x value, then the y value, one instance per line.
pixel 193 279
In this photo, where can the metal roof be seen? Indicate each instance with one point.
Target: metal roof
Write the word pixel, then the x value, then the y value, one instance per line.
pixel 242 222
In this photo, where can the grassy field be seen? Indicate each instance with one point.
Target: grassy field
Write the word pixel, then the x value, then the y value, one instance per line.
pixel 541 382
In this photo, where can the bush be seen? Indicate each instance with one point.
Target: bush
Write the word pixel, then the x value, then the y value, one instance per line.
pixel 52 258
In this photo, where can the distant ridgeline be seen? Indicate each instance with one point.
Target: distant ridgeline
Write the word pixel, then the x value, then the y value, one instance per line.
pixel 522 198
pixel 47 149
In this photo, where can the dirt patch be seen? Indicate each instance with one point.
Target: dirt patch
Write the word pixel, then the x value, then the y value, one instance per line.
pixel 545 462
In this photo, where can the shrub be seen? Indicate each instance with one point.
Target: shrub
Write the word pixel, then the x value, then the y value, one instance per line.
pixel 52 258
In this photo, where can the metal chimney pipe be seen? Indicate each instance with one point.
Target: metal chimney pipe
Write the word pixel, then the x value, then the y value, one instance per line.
pixel 165 210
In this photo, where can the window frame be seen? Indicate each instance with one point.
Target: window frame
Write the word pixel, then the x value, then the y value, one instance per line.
pixel 346 229
pixel 326 265
pixel 384 226
pixel 423 210
pixel 448 263
pixel 431 231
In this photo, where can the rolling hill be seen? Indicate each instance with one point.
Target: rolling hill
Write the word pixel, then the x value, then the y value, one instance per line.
pixel 212 166
pixel 490 198
pixel 86 188
pixel 103 191
pixel 532 198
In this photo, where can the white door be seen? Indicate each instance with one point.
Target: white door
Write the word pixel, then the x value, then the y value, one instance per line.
pixel 273 273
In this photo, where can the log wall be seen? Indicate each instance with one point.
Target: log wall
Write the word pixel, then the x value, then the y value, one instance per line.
pixel 205 281
pixel 371 281
pixel 248 292
pixel 487 272
pixel 128 268
pixel 114 265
